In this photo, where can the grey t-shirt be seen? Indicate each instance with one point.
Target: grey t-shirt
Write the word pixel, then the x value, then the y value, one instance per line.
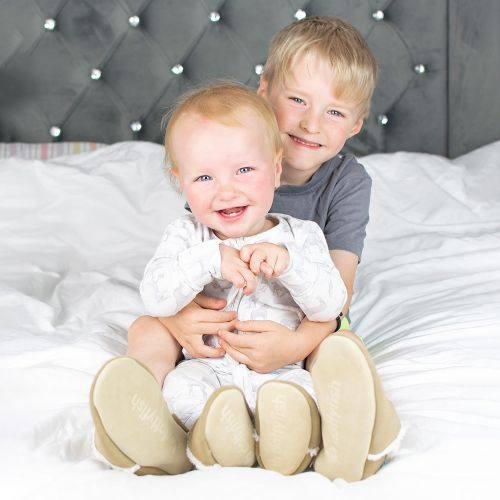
pixel 337 198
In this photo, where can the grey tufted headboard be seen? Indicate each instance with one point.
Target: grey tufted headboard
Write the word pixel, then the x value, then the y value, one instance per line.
pixel 106 70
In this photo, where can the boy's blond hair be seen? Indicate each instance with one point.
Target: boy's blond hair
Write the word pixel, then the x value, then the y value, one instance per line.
pixel 334 41
pixel 226 103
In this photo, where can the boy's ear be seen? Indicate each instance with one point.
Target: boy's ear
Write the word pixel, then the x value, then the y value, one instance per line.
pixel 263 84
pixel 278 168
pixel 357 127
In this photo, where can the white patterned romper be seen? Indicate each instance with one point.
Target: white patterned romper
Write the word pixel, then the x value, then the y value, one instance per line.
pixel 188 261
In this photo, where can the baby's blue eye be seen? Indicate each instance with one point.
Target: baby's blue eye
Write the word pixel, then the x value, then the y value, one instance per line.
pixel 204 178
pixel 298 100
pixel 334 112
pixel 244 170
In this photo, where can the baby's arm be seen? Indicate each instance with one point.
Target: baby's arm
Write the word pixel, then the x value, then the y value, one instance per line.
pixel 181 266
pixel 266 258
pixel 311 277
pixel 305 268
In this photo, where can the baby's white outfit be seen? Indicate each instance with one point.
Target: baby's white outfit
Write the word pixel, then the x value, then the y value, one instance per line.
pixel 188 261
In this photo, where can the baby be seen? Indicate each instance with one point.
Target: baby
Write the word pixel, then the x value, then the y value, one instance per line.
pixel 225 152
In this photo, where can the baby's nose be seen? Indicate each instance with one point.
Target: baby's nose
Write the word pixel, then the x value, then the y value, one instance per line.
pixel 226 191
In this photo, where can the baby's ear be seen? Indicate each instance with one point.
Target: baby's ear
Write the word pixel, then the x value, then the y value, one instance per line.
pixel 175 180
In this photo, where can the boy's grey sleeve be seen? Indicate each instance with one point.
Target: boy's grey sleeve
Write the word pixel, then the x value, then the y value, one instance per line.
pixel 181 266
pixel 348 213
pixel 311 277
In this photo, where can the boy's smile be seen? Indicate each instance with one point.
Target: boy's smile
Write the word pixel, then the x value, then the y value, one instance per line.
pixel 314 123
pixel 228 173
pixel 302 142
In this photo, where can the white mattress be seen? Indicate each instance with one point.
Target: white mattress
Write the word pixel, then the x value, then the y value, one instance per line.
pixel 76 232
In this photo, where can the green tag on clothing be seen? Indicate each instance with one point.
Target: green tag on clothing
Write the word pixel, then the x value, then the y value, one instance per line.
pixel 344 324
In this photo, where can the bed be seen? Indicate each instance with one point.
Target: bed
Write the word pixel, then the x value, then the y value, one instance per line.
pixel 84 200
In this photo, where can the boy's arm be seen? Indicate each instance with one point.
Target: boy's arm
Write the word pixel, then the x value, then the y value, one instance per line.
pixel 179 270
pixel 311 277
pixel 274 345
pixel 346 264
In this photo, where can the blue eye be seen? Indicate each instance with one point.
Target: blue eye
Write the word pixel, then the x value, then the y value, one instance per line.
pixel 298 100
pixel 203 178
pixel 244 170
pixel 334 112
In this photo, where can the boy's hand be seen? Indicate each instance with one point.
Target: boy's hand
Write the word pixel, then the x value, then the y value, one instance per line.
pixel 236 271
pixel 200 317
pixel 269 347
pixel 266 258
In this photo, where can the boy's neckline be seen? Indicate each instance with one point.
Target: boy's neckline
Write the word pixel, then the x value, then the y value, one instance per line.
pixel 316 178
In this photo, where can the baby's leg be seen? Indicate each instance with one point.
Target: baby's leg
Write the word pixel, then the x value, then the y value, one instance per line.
pixel 150 343
pixel 133 427
pixel 287 422
pixel 197 392
pixel 187 388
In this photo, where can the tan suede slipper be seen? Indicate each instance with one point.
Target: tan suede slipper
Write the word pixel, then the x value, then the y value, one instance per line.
pixel 288 427
pixel 223 434
pixel 133 427
pixel 387 431
pixel 344 387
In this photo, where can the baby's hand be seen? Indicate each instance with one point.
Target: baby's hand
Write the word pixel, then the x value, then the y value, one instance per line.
pixel 266 258
pixel 236 271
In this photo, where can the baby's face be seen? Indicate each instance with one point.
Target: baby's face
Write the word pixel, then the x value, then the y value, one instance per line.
pixel 314 123
pixel 228 174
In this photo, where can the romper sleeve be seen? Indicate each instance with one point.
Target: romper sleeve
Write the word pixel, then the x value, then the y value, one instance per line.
pixel 182 265
pixel 311 277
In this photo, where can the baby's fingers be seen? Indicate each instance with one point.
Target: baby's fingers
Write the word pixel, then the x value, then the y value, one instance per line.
pixel 246 253
pixel 266 269
pixel 281 264
pixel 256 260
pixel 250 281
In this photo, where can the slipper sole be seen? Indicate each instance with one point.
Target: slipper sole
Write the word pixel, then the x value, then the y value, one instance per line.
pixel 132 421
pixel 223 434
pixel 288 426
pixel 345 390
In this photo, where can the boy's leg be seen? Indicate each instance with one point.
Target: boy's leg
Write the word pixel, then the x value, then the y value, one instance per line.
pixel 150 343
pixel 133 426
pixel 359 424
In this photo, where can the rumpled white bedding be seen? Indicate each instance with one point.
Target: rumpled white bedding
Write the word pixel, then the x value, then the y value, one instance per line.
pixel 76 233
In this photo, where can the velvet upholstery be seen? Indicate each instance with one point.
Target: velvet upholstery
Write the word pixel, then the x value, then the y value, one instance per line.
pixel 45 74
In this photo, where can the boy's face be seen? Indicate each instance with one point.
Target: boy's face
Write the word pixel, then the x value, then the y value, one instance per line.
pixel 314 123
pixel 227 174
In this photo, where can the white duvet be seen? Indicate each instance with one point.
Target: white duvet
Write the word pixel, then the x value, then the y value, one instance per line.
pixel 75 235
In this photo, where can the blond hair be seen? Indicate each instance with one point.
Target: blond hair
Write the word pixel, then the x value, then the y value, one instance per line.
pixel 335 42
pixel 226 103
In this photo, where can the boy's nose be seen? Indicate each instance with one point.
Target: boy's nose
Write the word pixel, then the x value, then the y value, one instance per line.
pixel 309 124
